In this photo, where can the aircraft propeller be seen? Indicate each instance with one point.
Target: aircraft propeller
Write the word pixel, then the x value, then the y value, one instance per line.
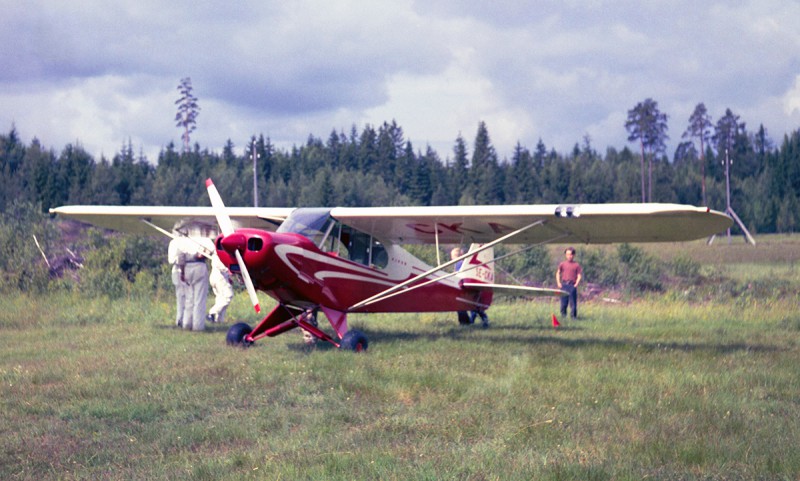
pixel 226 226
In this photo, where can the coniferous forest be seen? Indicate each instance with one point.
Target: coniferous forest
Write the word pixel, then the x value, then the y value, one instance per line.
pixel 380 166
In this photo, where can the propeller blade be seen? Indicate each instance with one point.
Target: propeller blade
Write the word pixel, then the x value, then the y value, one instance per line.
pixel 251 290
pixel 225 224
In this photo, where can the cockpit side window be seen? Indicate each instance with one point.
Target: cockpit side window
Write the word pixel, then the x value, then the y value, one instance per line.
pixel 380 258
pixel 363 248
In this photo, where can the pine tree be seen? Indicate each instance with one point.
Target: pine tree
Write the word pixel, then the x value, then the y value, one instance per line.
pixel 485 175
pixel 700 128
pixel 188 110
pixel 647 125
pixel 459 170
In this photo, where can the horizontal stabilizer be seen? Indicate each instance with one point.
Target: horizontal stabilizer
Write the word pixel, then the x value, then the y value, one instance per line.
pixel 515 290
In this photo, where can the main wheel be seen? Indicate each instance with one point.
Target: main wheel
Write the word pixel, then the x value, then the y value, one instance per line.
pixel 237 333
pixel 354 341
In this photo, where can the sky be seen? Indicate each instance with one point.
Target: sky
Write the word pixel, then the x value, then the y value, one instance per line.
pixel 104 74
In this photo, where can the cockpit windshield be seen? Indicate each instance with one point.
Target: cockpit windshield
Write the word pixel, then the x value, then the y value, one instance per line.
pixel 314 223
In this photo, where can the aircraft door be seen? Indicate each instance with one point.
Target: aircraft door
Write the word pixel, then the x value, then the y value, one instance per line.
pixel 363 248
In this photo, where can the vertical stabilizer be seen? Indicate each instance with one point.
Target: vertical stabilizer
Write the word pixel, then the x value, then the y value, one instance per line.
pixel 480 266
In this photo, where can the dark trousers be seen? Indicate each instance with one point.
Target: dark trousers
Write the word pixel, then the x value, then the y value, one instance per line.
pixel 572 298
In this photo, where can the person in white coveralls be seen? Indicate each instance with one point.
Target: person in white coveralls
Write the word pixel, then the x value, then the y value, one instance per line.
pixel 195 274
pixel 220 280
pixel 177 259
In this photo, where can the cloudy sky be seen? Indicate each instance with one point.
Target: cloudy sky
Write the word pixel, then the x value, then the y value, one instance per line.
pixel 102 73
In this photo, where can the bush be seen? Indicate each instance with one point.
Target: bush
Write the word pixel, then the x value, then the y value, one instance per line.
pixel 101 274
pixel 640 271
pixel 21 263
pixel 599 267
pixel 534 265
pixel 115 264
pixel 685 267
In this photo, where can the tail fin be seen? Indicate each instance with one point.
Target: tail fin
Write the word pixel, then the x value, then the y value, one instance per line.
pixel 480 266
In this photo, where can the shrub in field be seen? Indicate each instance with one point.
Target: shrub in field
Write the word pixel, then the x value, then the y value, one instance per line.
pixel 21 263
pixel 684 267
pixel 115 264
pixel 533 264
pixel 600 267
pixel 640 271
pixel 101 274
pixel 112 265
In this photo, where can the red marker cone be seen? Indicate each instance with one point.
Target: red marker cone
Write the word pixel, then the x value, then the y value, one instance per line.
pixel 555 321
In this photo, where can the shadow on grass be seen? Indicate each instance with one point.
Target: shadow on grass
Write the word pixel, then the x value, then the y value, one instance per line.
pixel 519 334
pixel 508 337
pixel 210 329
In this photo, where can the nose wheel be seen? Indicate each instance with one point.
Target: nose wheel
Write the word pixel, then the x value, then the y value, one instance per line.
pixel 237 334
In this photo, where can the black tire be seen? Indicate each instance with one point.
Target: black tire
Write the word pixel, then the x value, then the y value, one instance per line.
pixel 463 318
pixel 354 341
pixel 237 333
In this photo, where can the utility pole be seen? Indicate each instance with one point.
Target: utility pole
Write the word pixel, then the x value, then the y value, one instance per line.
pixel 728 209
pixel 255 156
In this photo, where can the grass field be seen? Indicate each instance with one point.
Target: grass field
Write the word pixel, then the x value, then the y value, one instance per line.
pixel 659 388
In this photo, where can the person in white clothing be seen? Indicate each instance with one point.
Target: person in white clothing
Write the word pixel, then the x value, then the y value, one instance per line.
pixel 176 257
pixel 196 275
pixel 220 280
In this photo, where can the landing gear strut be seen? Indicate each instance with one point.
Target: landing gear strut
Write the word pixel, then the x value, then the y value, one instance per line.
pixel 285 318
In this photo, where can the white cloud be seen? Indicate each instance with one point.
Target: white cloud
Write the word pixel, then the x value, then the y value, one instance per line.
pixel 791 100
pixel 102 73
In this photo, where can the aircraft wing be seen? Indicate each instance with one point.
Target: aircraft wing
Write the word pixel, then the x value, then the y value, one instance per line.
pixel 129 218
pixel 578 223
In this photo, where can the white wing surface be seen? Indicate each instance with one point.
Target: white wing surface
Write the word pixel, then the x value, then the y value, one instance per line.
pixel 578 223
pixel 129 218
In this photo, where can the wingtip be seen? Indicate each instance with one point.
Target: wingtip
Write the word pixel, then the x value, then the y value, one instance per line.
pixel 257 308
pixel 209 183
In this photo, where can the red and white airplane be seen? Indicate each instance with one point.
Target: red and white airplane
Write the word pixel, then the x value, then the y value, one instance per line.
pixel 345 260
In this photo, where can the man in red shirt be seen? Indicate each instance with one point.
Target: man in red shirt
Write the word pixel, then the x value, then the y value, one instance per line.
pixel 568 276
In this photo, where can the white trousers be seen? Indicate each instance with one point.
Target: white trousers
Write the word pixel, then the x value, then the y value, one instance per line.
pixel 180 294
pixel 223 294
pixel 194 311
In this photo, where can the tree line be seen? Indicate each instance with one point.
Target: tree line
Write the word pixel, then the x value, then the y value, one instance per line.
pixel 380 166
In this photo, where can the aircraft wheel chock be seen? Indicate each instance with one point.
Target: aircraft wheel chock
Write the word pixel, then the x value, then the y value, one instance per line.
pixel 236 334
pixel 354 341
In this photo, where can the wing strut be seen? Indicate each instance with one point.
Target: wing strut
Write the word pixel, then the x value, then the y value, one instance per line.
pixel 451 274
pixel 385 294
pixel 436 233
pixel 203 251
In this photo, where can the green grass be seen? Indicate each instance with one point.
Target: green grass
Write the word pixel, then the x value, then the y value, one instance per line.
pixel 673 386
pixel 659 389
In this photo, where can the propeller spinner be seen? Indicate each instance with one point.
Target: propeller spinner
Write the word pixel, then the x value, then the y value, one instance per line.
pixel 226 226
